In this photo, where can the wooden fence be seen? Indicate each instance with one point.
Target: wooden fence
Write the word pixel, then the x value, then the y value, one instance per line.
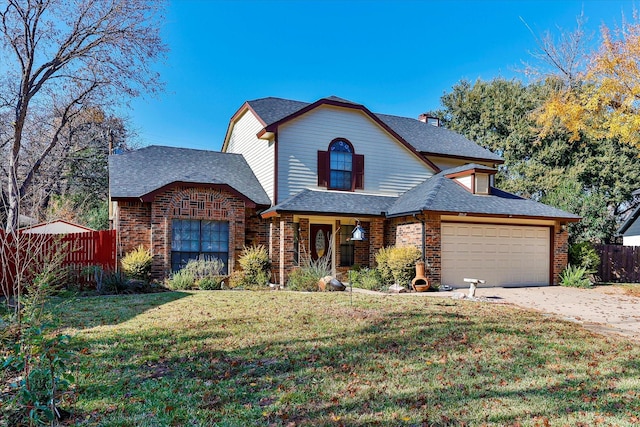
pixel 619 263
pixel 24 255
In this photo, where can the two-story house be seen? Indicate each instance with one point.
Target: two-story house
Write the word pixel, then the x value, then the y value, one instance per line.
pixel 292 174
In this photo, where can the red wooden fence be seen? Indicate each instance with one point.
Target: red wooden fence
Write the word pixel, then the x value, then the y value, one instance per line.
pixel 23 255
pixel 618 263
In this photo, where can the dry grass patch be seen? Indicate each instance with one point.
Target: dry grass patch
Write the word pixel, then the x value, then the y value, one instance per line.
pixel 281 358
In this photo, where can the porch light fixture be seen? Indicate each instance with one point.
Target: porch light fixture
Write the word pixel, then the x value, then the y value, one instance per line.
pixel 358 234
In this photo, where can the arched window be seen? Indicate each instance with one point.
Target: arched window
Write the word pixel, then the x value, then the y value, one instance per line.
pixel 340 164
pixel 339 168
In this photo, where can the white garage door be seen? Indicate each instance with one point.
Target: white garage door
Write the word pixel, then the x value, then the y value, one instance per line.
pixel 503 255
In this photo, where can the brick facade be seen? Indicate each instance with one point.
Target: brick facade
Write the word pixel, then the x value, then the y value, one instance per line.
pixel 560 260
pixel 407 231
pixel 149 224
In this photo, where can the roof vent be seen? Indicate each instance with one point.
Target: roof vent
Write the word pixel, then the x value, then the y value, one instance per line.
pixel 429 119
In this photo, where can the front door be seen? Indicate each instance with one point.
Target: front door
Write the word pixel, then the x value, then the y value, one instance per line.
pixel 320 240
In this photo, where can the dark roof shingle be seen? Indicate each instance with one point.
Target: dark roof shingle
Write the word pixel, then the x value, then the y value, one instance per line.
pixel 441 194
pixel 423 137
pixel 335 202
pixel 136 173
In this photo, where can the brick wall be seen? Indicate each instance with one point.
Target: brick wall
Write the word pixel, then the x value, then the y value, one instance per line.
pixel 560 253
pixel 407 231
pixel 133 225
pixel 149 224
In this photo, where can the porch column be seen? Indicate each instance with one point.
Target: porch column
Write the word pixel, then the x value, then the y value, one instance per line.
pixel 376 239
pixel 286 247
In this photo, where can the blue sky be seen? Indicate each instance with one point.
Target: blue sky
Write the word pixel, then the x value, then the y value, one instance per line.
pixel 395 57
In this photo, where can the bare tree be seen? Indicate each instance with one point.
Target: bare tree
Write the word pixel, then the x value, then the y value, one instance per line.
pixel 60 57
pixel 563 58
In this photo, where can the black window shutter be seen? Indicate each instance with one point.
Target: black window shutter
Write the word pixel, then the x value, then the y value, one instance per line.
pixel 323 169
pixel 358 172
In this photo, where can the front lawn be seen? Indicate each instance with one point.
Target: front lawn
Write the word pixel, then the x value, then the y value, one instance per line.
pixel 235 358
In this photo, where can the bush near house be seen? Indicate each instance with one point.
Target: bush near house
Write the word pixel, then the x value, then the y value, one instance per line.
pixel 137 263
pixel 366 278
pixel 575 277
pixel 255 269
pixel 396 264
pixel 204 273
pixel 584 255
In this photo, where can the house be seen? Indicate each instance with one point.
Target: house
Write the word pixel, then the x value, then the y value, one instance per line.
pixel 630 229
pixel 58 226
pixel 291 175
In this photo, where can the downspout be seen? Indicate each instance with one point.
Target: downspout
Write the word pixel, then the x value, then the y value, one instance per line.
pixel 424 240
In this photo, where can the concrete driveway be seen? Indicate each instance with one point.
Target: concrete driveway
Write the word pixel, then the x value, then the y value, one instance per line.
pixel 603 309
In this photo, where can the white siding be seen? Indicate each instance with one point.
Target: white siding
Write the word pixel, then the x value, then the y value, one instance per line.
pixel 465 180
pixel 389 167
pixel 631 240
pixel 258 153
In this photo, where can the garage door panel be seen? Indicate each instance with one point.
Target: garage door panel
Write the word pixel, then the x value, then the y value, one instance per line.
pixel 503 255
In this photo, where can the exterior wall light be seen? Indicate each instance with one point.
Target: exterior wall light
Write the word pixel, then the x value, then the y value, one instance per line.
pixel 358 234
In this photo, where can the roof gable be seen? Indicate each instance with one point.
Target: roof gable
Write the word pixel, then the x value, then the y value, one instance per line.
pixel 442 194
pixel 138 173
pixel 418 136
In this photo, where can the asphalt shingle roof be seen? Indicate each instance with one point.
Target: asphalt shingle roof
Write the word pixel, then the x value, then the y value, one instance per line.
pixel 431 139
pixel 335 202
pixel 422 136
pixel 441 194
pixel 137 173
pixel 631 226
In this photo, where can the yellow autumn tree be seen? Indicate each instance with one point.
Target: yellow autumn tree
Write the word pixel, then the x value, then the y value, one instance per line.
pixel 603 101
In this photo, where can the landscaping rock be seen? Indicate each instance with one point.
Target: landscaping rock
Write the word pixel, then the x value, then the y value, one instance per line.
pixel 335 285
pixel 397 289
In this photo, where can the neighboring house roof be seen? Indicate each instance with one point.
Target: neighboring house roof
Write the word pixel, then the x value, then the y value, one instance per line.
pixel 441 194
pixel 334 202
pixel 423 137
pixel 56 227
pixel 136 174
pixel 631 227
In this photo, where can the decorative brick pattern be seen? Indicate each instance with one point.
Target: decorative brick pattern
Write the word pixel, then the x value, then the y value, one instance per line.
pixel 149 224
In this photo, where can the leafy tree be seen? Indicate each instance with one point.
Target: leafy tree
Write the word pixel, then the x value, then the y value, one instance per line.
pixel 602 100
pixel 59 58
pixel 498 115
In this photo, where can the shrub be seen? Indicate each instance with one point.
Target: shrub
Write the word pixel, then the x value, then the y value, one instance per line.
pixel 255 260
pixel 575 277
pixel 382 259
pixel 256 268
pixel 137 263
pixel 397 263
pixel 210 283
pixel 182 280
pixel 366 278
pixel 303 279
pixel 204 266
pixel 584 255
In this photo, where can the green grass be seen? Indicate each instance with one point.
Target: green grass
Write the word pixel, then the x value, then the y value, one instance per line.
pixel 233 358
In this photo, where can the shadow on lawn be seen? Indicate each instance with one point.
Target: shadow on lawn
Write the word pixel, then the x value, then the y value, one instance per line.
pixel 111 309
pixel 439 369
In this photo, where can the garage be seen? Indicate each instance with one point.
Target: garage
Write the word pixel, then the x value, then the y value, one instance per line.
pixel 503 255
